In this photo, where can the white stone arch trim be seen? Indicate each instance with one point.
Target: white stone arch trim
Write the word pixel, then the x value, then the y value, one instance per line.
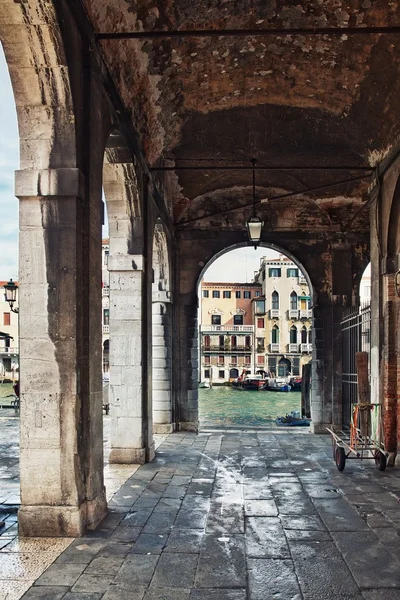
pixel 122 195
pixel 161 265
pixel 34 51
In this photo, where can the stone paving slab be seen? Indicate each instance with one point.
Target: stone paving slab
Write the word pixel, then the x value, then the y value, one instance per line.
pixel 247 515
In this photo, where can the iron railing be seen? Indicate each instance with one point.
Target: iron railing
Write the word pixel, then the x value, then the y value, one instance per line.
pixel 356 327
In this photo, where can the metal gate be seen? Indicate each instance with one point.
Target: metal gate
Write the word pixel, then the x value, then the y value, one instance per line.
pixel 356 328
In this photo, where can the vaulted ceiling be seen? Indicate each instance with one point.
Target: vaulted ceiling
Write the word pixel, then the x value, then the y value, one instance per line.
pixel 310 88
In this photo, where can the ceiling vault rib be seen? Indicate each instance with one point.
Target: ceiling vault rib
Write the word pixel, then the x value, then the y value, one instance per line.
pixel 121 35
pixel 259 168
pixel 288 195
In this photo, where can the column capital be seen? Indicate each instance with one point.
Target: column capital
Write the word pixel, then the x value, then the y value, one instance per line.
pixel 31 183
pixel 126 262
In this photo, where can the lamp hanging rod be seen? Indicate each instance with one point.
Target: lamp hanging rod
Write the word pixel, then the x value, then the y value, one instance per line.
pixel 257 168
pixel 277 31
pixel 254 162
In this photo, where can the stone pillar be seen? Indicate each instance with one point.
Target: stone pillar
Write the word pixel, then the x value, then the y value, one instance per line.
pixel 389 363
pixel 131 420
pixel 162 359
pixel 61 450
pixel 188 395
pixel 326 387
pixel 376 306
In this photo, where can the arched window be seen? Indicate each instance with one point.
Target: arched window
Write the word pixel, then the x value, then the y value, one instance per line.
pixel 233 341
pixel 275 301
pixel 207 341
pixel 275 335
pixel 293 301
pixel 293 335
pixel 304 335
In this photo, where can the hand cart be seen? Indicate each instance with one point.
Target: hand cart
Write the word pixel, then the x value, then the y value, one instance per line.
pixel 354 445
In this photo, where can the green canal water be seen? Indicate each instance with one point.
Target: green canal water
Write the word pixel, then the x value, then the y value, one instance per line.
pixel 231 407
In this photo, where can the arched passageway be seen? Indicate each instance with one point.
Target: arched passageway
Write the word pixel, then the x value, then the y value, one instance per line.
pixel 248 325
pixel 326 192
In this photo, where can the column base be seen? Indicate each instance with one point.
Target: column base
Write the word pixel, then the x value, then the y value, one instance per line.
pixel 321 427
pixel 135 456
pixel 188 426
pixel 61 521
pixel 163 427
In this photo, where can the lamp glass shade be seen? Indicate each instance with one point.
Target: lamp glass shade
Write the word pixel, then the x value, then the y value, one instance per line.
pixel 254 226
pixel 10 291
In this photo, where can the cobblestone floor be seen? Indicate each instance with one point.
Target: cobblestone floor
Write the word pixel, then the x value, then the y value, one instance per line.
pixel 239 515
pixel 24 560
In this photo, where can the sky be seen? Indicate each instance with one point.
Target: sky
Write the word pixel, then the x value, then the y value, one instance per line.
pixel 237 266
pixel 9 162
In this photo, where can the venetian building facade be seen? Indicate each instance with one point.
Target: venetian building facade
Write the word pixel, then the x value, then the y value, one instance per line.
pixel 282 318
pixel 227 330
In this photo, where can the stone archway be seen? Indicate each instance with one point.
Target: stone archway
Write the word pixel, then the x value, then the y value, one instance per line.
pixel 61 455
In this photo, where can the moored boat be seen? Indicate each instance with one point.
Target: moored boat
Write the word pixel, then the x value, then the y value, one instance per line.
pixel 293 419
pixel 277 385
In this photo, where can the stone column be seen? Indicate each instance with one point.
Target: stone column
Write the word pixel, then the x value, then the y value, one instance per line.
pixel 188 395
pixel 131 423
pixel 162 359
pixel 389 364
pixel 326 387
pixel 61 450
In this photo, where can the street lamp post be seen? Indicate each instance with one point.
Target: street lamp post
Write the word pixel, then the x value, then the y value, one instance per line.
pixel 10 294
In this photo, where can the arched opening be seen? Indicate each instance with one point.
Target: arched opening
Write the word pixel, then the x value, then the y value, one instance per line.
pixel 275 300
pixel 293 301
pixel 162 333
pixel 275 335
pixel 231 351
pixel 284 367
pixel 304 335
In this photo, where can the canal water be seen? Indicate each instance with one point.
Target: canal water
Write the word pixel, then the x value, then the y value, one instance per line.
pixel 225 406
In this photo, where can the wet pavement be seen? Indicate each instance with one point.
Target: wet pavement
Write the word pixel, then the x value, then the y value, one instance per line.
pixel 239 515
pixel 22 561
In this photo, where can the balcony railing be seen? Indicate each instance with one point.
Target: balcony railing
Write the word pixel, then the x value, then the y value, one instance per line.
pixel 228 328
pixel 106 329
pixel 105 291
pixel 225 349
pixel 8 351
pixel 306 314
pixel 293 313
pixel 274 313
pixel 302 279
pixel 274 347
pixel 293 347
pixel 306 347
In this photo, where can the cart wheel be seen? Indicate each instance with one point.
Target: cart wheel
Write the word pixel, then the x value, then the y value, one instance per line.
pixel 380 460
pixel 334 448
pixel 340 458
